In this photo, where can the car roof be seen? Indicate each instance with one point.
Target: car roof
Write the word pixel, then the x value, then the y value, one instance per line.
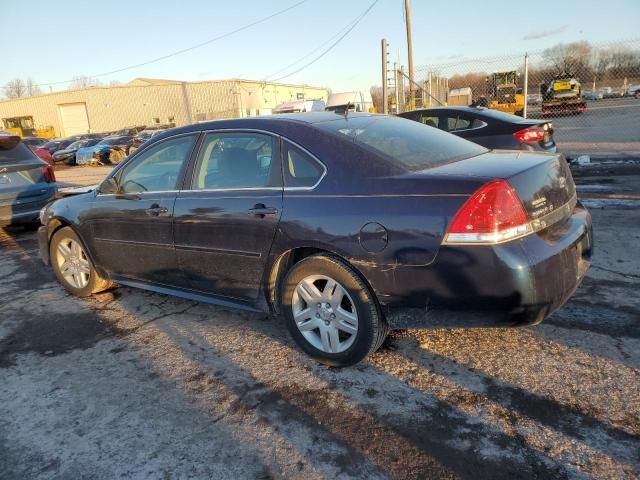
pixel 451 109
pixel 307 117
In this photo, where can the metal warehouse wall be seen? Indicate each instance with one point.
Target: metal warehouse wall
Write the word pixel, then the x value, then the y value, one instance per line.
pixel 111 108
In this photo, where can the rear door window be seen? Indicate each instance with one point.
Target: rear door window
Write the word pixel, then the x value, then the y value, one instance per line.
pixel 237 160
pixel 301 170
pixel 429 120
pixel 456 123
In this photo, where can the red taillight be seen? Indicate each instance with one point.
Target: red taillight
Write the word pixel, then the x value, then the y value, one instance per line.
pixel 533 134
pixel 49 175
pixel 493 214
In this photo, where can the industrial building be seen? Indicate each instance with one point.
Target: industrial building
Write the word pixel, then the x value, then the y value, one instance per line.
pixel 145 101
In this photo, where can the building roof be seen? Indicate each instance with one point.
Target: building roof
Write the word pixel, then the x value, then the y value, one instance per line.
pixel 143 82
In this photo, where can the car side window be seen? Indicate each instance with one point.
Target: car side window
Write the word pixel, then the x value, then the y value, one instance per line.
pixel 158 168
pixel 237 160
pixel 427 120
pixel 301 170
pixel 477 123
pixel 457 123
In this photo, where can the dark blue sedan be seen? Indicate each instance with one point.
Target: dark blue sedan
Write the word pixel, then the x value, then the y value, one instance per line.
pixel 489 128
pixel 347 225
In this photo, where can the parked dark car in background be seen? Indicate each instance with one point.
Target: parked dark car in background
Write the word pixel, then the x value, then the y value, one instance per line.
pixel 349 225
pixel 108 151
pixel 53 146
pixel 61 143
pixel 26 182
pixel 34 141
pixel 143 136
pixel 489 128
pixel 68 154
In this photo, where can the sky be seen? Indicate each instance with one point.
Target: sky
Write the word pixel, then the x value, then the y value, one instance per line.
pixel 55 41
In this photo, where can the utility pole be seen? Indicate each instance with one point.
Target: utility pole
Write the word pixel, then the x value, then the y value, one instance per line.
pixel 407 16
pixel 385 93
pixel 525 90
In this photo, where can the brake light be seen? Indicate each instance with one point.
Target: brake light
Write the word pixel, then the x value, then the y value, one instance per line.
pixel 493 214
pixel 533 134
pixel 49 174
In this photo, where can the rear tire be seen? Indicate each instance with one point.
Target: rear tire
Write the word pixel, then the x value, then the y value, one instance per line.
pixel 72 266
pixel 330 312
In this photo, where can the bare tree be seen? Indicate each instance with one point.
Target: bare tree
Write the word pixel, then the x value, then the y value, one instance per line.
pixel 15 88
pixel 570 58
pixel 32 87
pixel 115 83
pixel 376 97
pixel 84 81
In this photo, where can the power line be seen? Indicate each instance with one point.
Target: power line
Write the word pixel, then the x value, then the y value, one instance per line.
pixel 184 50
pixel 322 45
pixel 333 45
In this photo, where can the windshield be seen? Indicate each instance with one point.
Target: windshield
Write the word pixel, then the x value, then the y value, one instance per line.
pixel 408 144
pixel 78 144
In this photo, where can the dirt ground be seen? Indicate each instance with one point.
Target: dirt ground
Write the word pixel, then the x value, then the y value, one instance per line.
pixel 133 384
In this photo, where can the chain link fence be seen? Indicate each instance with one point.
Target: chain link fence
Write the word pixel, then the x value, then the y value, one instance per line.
pixel 591 93
pixel 149 102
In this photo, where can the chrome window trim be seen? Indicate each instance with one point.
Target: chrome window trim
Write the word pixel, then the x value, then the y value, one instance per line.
pixel 484 124
pixel 244 189
pixel 313 157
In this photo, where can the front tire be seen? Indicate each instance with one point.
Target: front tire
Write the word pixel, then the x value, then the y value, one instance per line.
pixel 330 312
pixel 72 266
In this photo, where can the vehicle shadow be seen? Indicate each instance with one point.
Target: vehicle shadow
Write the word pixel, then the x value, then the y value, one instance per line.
pixel 400 429
pixel 418 436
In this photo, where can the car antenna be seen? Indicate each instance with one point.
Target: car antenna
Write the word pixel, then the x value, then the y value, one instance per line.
pixel 346 109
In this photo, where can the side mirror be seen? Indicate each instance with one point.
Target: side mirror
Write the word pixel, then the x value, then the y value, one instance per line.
pixel 109 185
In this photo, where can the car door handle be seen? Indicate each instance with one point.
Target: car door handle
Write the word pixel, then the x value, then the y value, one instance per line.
pixel 156 210
pixel 262 210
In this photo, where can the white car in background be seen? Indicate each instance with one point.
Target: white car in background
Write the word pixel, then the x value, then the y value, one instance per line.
pixel 359 101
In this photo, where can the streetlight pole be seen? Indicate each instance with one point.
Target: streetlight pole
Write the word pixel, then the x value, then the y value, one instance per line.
pixel 407 16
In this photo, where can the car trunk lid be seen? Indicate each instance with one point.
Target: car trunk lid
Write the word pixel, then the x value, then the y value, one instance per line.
pixel 543 182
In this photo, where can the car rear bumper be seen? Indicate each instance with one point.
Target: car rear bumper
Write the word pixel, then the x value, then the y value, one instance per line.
pixel 516 283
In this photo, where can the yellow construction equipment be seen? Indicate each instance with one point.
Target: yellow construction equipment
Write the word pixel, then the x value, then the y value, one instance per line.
pixel 504 94
pixel 24 127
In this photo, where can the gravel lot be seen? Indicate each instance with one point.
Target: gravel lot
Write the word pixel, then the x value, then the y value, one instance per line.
pixel 141 385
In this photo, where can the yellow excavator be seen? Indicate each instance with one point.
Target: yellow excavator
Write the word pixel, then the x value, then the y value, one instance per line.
pixel 504 94
pixel 24 127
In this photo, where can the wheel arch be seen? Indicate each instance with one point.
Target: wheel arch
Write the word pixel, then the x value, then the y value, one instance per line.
pixel 286 260
pixel 57 223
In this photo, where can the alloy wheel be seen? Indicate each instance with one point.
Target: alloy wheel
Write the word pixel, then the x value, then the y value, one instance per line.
pixel 73 263
pixel 325 313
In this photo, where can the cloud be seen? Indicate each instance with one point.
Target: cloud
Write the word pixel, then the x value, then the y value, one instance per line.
pixel 544 33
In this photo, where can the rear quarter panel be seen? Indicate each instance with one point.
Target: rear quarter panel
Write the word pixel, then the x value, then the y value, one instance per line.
pixel 407 232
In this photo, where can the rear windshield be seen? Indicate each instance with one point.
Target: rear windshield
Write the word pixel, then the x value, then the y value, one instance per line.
pixel 21 178
pixel 17 153
pixel 408 144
